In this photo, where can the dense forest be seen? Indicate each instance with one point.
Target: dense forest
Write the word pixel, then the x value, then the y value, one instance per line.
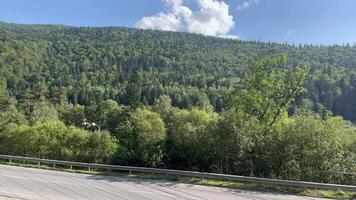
pixel 178 100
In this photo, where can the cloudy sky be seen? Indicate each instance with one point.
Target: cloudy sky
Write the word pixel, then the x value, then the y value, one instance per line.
pixel 292 21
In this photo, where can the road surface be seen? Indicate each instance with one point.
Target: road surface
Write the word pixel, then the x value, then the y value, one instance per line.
pixel 36 184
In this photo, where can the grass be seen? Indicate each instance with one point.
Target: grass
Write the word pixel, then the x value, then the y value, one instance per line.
pixel 338 194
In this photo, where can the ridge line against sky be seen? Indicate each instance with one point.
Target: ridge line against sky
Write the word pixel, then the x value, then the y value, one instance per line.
pixel 291 21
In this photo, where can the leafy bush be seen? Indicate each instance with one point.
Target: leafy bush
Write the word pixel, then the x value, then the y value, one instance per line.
pixel 55 140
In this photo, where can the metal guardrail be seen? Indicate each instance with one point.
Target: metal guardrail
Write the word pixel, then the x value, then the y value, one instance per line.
pixel 186 173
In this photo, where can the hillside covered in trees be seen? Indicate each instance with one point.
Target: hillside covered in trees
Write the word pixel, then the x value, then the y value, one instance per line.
pixel 88 65
pixel 178 100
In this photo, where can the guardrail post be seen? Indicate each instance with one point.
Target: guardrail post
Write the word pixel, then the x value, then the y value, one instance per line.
pixel 54 165
pixel 39 163
pixel 88 168
pixel 10 161
pixel 71 167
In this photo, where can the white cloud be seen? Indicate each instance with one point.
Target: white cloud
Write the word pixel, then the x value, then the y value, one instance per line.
pixel 160 21
pixel 247 4
pixel 211 18
pixel 177 8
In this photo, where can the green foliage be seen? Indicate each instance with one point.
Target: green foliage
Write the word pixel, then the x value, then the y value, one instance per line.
pixel 269 89
pixel 249 127
pixel 235 138
pixel 178 100
pixel 99 113
pixel 151 134
pixel 141 137
pixel 8 112
pixel 55 140
pixel 73 115
pixel 43 112
pixel 88 65
pixel 4 96
pixel 312 148
pixel 133 90
pixel 163 106
pixel 188 138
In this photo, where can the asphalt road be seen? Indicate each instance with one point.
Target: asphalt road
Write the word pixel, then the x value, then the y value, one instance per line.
pixel 37 184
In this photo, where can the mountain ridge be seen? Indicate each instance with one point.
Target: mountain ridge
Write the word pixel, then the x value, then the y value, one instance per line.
pixel 192 69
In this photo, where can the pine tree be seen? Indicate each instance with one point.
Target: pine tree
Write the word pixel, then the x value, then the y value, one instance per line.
pixel 133 90
pixel 4 96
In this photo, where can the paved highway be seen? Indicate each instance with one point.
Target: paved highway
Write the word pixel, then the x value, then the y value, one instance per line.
pixel 37 184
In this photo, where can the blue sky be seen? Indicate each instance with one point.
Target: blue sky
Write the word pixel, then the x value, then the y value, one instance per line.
pixel 293 21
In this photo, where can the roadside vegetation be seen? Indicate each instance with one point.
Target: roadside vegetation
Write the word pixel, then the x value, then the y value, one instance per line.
pixel 271 117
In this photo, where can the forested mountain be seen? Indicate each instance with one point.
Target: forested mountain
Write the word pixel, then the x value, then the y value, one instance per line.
pixel 179 101
pixel 88 65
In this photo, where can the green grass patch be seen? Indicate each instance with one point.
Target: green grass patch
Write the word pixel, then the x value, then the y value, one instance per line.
pixel 338 194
